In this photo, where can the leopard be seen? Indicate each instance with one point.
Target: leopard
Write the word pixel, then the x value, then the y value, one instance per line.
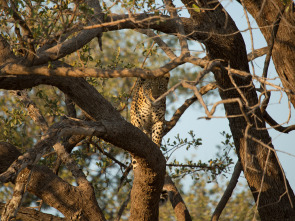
pixel 148 115
pixel 145 114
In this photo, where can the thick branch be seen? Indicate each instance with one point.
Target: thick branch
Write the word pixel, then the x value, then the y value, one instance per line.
pixel 33 215
pixel 75 43
pixel 18 69
pixel 176 200
pixel 274 202
pixel 49 187
pixel 149 159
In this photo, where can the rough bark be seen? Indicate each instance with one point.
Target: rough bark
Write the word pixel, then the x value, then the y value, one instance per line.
pixel 33 215
pixel 218 32
pixel 51 188
pixel 268 186
pixel 265 13
pixel 222 39
pixel 180 209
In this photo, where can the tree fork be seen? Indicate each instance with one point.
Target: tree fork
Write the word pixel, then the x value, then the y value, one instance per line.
pixel 276 198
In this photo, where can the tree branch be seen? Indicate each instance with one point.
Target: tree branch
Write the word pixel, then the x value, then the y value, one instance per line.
pixel 33 215
pixel 228 192
pixel 180 209
pixel 75 43
pixel 33 110
pixel 178 113
pixel 257 53
pixel 179 27
pixel 276 125
pixel 150 159
pixel 49 187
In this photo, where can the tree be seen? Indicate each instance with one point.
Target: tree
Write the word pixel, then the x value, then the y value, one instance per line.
pixel 37 42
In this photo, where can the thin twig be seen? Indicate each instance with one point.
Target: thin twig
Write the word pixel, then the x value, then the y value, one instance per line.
pixel 167 50
pixel 107 154
pixel 33 110
pixel 178 113
pixel 236 87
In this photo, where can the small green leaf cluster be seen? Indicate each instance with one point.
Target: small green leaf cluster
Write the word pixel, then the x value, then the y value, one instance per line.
pixel 213 167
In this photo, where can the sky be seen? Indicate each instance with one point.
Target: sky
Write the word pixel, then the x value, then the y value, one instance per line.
pixel 209 130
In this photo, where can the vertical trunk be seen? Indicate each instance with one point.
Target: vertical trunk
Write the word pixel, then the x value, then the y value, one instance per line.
pixel 265 13
pixel 264 175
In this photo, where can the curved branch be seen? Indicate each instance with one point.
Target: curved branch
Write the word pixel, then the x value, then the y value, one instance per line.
pixel 148 156
pixel 51 188
pixel 257 53
pixel 276 125
pixel 178 113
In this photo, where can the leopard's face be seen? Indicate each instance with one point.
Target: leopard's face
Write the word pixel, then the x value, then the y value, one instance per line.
pixel 159 86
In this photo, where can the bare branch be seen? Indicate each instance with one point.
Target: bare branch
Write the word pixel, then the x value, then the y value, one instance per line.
pixel 33 215
pixel 257 53
pixel 203 63
pixel 228 192
pixel 159 41
pixel 18 69
pixel 276 125
pixel 176 200
pixel 178 113
pixel 209 66
pixel 179 26
pixel 12 206
pixel 272 41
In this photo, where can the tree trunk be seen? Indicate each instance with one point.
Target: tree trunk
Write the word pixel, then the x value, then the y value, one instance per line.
pixel 266 13
pixel 265 177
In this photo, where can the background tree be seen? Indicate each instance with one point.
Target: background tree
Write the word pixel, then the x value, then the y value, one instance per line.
pixel 64 52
